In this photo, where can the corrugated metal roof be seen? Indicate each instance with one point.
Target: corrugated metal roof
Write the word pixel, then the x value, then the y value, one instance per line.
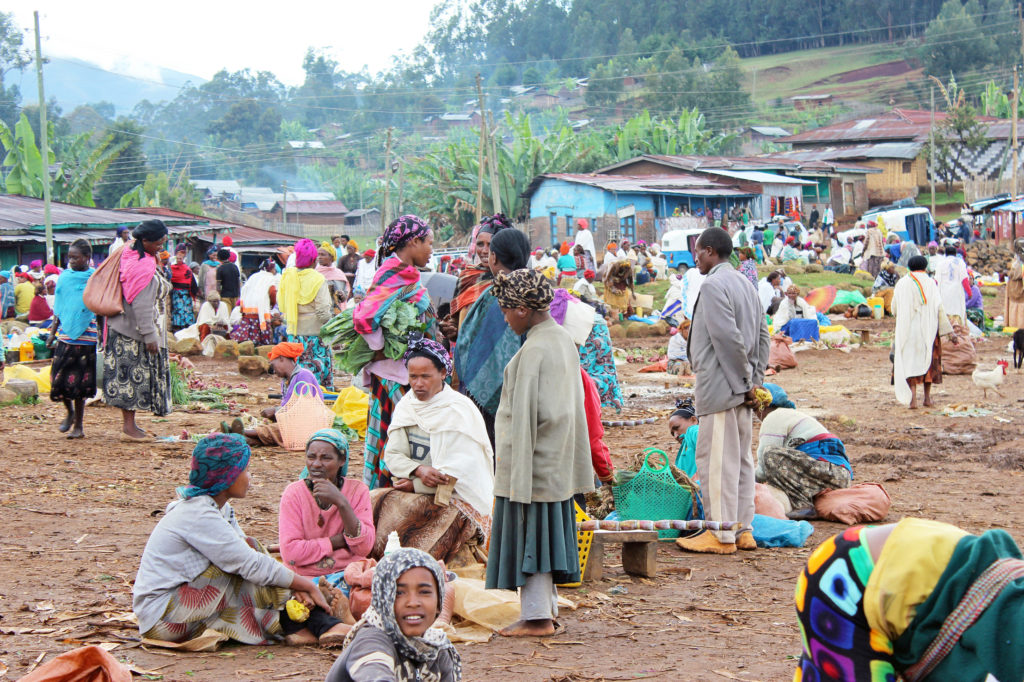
pixel 771 131
pixel 359 212
pixel 764 162
pixel 677 185
pixel 97 236
pixel 24 213
pixel 881 150
pixel 217 186
pixel 762 177
pixel 1014 206
pixel 314 207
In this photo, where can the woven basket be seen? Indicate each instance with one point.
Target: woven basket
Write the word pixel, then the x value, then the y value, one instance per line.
pixel 304 415
pixel 653 494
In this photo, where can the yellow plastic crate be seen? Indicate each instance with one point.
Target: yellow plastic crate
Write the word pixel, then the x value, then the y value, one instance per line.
pixel 584 539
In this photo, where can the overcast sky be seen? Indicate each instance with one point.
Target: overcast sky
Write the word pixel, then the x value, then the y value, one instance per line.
pixel 201 37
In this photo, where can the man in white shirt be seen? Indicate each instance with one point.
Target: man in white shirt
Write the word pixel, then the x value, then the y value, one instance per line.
pixel 123 235
pixel 365 270
pixel 769 292
pixel 585 238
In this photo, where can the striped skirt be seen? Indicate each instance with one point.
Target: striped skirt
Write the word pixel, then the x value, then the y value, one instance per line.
pixel 384 395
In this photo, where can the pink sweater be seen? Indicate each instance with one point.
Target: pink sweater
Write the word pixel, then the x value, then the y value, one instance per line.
pixel 306 546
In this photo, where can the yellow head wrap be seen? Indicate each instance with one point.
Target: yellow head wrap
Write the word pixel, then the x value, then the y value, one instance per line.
pixel 329 248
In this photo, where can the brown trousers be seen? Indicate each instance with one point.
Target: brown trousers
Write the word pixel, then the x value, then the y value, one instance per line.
pixel 725 465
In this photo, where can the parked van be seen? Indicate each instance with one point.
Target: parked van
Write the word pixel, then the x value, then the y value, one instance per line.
pixel 678 246
pixel 914 224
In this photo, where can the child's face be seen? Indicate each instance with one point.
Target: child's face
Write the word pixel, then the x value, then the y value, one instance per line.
pixel 416 601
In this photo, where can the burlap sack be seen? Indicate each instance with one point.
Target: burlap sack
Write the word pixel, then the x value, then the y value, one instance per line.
pixel 861 503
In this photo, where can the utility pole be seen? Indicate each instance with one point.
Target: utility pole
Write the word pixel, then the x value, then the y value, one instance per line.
pixel 1013 116
pixel 480 160
pixel 492 153
pixel 401 186
pixel 44 147
pixel 284 206
pixel 387 181
pixel 931 145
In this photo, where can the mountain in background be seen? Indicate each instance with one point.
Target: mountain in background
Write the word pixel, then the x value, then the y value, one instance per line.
pixel 74 81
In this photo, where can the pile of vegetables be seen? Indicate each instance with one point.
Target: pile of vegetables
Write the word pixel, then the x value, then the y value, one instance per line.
pixel 353 353
pixel 191 390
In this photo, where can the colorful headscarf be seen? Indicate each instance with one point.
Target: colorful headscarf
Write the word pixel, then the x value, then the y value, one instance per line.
pixel 181 248
pixel 305 253
pixel 51 269
pixel 217 461
pixel 493 224
pixel 431 348
pixel 36 264
pixel 792 289
pixel 329 248
pixel 400 232
pixel 523 289
pixel 6 274
pixel 779 397
pixel 353 243
pixel 340 443
pixel 286 349
pixel 418 654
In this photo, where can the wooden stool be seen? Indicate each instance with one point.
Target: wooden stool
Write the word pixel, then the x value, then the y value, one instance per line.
pixel 639 552
pixel 865 335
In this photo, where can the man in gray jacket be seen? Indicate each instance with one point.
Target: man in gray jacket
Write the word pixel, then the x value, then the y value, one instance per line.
pixel 728 348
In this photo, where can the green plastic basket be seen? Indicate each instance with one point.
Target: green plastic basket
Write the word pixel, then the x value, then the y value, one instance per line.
pixel 653 495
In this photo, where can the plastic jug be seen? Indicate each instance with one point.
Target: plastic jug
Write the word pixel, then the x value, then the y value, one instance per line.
pixel 26 351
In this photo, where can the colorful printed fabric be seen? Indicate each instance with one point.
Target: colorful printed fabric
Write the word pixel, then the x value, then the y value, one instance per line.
pixel 838 643
pixel 249 329
pixel 224 602
pixel 73 372
pixel 183 312
pixel 473 281
pixel 384 395
pixel 827 448
pixel 393 281
pixel 134 378
pixel 421 524
pixel 484 346
pixel 523 289
pixel 317 358
pixel 136 272
pixel 217 460
pixel 798 475
pixel 433 349
pixel 597 360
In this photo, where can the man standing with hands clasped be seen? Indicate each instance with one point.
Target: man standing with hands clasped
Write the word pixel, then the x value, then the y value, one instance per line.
pixel 728 348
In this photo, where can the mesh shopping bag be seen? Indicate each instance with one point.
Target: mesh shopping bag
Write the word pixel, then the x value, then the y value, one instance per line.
pixel 304 415
pixel 653 494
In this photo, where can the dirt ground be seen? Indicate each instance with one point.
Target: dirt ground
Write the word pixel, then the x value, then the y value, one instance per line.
pixel 76 516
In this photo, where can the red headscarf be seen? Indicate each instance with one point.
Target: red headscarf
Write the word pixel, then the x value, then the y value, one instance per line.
pixel 286 349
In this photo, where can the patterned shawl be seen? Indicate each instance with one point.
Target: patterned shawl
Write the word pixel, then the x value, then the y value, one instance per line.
pixel 394 281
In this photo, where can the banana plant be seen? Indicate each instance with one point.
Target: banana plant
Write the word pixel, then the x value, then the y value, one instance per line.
pixel 23 163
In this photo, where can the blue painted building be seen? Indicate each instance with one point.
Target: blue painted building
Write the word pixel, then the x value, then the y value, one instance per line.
pixel 620 207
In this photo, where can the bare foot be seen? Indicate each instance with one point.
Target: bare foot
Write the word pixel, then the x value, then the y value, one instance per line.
pixel 65 425
pixel 913 405
pixel 135 432
pixel 77 432
pixel 301 638
pixel 928 402
pixel 529 628
pixel 335 637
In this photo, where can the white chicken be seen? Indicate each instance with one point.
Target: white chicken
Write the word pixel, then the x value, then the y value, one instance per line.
pixel 990 378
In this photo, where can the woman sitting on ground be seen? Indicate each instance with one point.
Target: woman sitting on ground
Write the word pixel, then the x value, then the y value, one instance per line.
pixel 683 424
pixel 199 571
pixel 39 313
pixel 325 521
pixel 295 379
pixel 883 601
pixel 437 437
pixel 214 317
pixel 395 640
pixel 797 455
pixel 792 307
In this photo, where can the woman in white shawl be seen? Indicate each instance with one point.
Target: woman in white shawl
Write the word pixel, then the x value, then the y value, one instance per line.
pixel 441 464
pixel 920 321
pixel 954 284
pixel 255 301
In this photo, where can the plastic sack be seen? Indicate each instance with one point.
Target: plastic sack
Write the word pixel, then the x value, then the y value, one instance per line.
pixel 21 372
pixel 304 415
pixel 352 406
pixel 769 532
pixel 653 494
pixel 861 503
pixel 800 329
pixel 84 664
pixel 359 578
pixel 779 354
pixel 961 358
pixel 765 502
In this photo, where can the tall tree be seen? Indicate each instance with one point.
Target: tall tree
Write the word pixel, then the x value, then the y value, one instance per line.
pixel 129 169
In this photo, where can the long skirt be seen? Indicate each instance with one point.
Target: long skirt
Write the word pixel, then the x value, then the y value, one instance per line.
pixel 224 602
pixel 838 642
pixel 317 358
pixel 73 371
pixel 384 395
pixel 799 475
pixel 134 378
pixel 934 373
pixel 532 538
pixel 438 531
pixel 248 329
pixel 597 360
pixel 183 312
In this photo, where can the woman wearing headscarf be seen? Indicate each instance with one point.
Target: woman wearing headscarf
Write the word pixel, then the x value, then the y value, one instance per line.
pixel 73 372
pixel 477 278
pixel 200 571
pixel 183 292
pixel 295 380
pixel 797 455
pixel 395 640
pixel 325 522
pixel 349 263
pixel 306 303
pixel 684 428
pixel 39 312
pixel 436 437
pixel 920 322
pixel 543 457
pixel 136 375
pixel 405 247
pixel 793 307
pixel 618 287
pixel 7 298
pixel 208 273
pixel 257 300
pixel 337 280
